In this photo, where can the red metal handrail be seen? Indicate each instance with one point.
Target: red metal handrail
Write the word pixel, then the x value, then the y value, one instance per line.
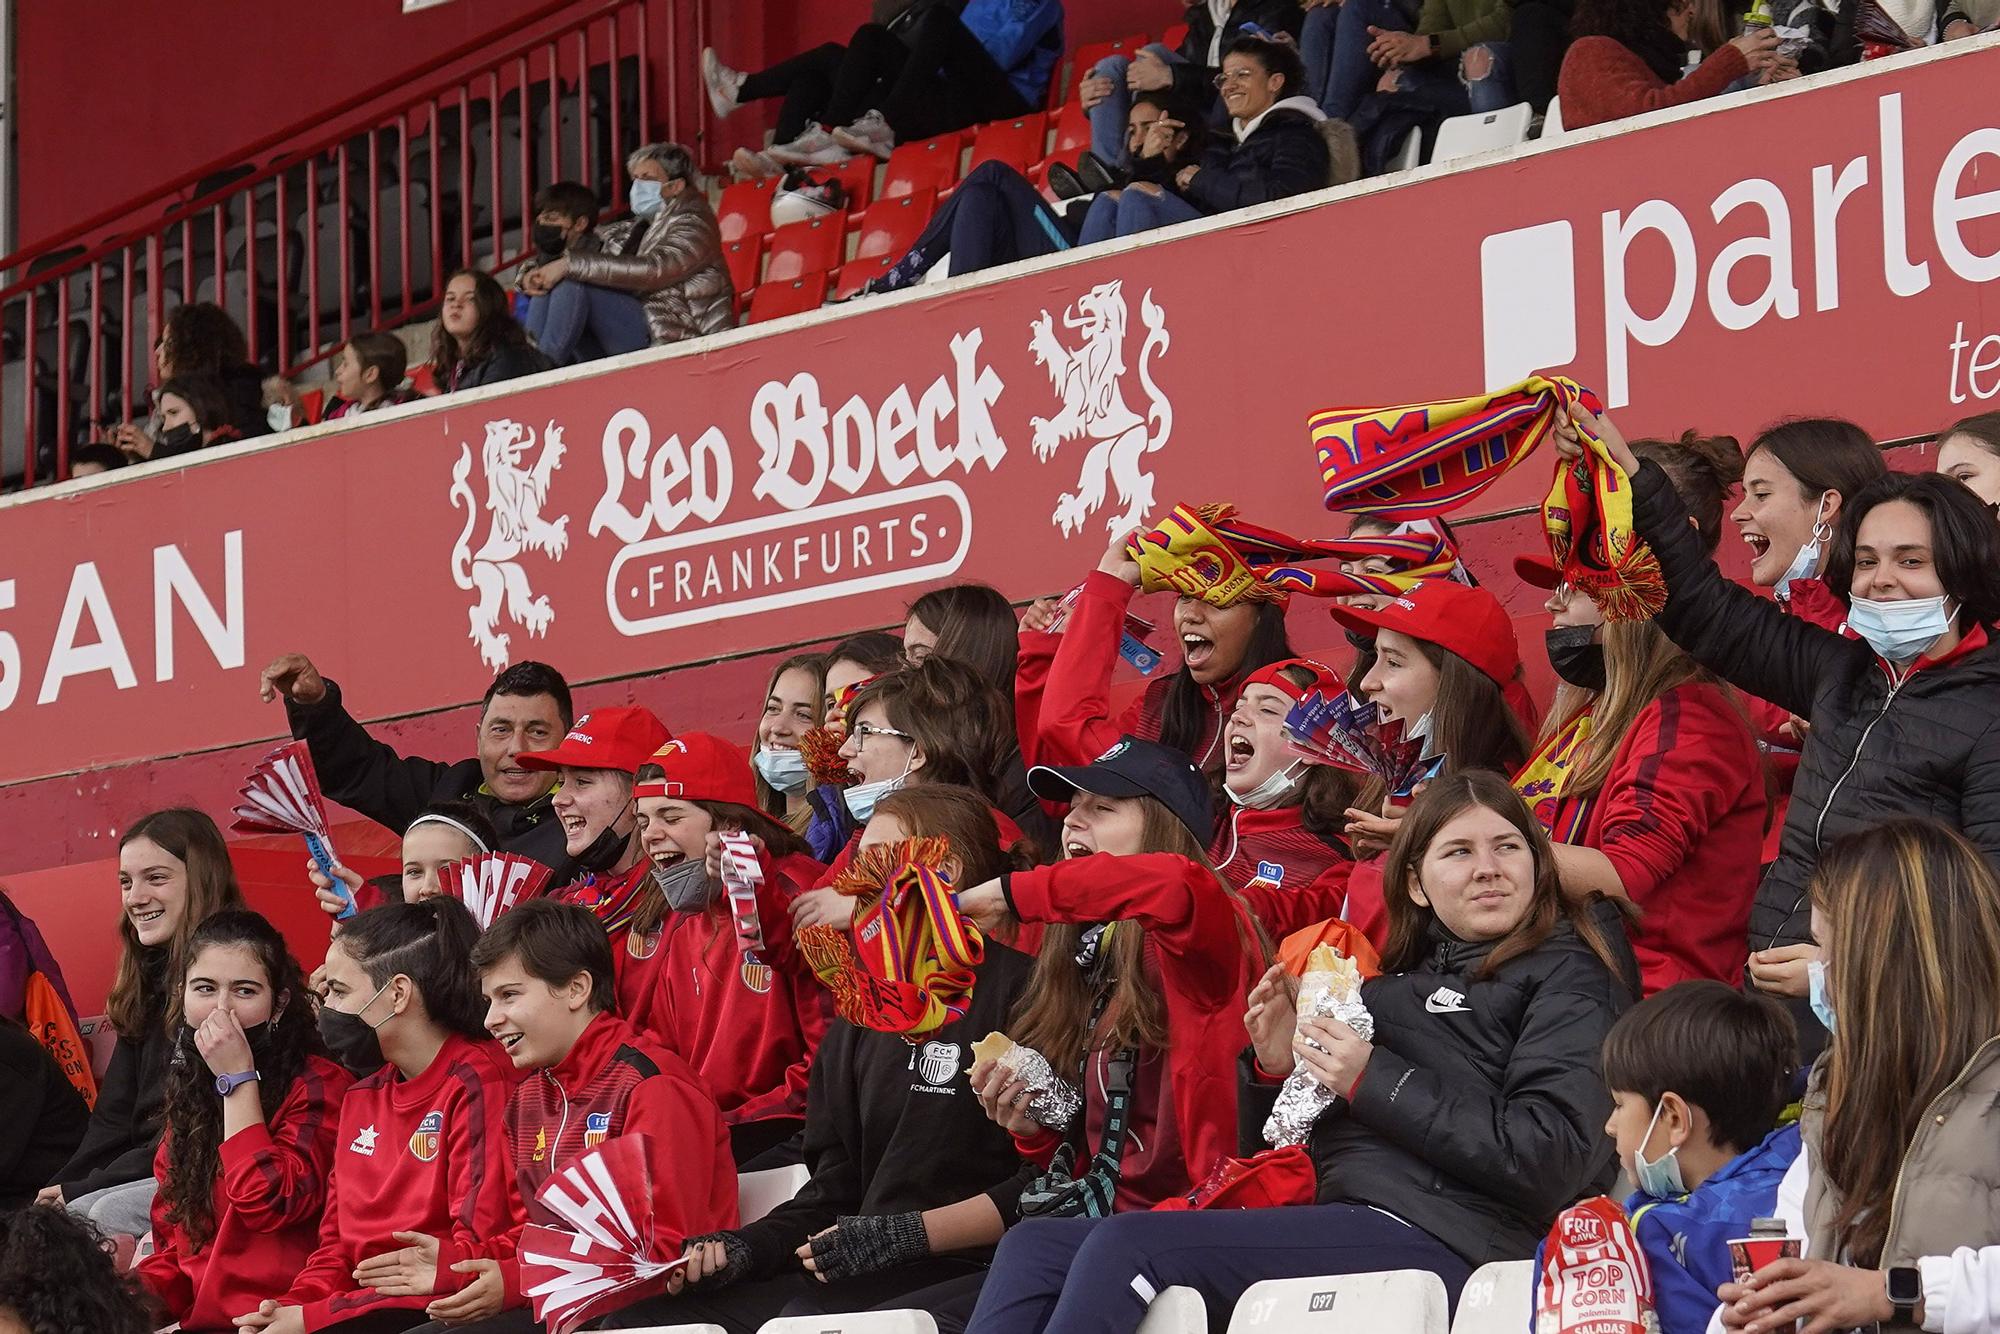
pixel 585 51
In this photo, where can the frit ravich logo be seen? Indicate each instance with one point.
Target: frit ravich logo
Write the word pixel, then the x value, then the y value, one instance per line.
pixel 424 1143
pixel 1090 381
pixel 515 493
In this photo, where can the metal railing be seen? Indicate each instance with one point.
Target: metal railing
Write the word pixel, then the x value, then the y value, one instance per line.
pixel 353 223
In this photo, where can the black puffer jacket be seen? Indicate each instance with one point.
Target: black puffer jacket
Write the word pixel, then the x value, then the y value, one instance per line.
pixel 1481 1113
pixel 1929 745
pixel 1285 155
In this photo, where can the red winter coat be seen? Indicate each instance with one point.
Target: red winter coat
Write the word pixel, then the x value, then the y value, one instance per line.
pixel 267 1205
pixel 1195 938
pixel 412 1155
pixel 1273 847
pixel 749 1032
pixel 1602 80
pixel 1681 818
pixel 1076 725
pixel 614 1082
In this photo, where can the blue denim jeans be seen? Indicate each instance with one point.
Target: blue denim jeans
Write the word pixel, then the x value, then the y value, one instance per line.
pixel 579 321
pixel 1129 212
pixel 1107 118
pixel 1317 40
pixel 1496 90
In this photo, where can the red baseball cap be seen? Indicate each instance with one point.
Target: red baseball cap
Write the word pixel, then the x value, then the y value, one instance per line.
pixel 1467 621
pixel 701 767
pixel 1537 571
pixel 615 738
pixel 1324 678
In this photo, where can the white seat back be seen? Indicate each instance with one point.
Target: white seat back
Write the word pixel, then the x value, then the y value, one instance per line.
pixel 679 1329
pixel 758 1193
pixel 1552 121
pixel 1497 1299
pixel 863 1322
pixel 1411 154
pixel 1176 1311
pixel 1482 132
pixel 1407 1301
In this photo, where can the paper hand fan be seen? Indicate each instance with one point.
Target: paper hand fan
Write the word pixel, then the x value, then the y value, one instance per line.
pixel 281 796
pixel 1348 732
pixel 742 876
pixel 490 884
pixel 604 1244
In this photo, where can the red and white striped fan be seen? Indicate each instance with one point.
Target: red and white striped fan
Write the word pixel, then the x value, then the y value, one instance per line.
pixel 609 1246
pixel 493 882
pixel 281 796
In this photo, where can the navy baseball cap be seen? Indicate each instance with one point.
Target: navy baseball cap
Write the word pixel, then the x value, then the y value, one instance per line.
pixel 1135 768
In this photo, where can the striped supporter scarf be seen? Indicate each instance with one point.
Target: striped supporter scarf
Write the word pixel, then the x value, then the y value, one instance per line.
pixel 1207 552
pixel 1421 459
pixel 906 965
pixel 1544 780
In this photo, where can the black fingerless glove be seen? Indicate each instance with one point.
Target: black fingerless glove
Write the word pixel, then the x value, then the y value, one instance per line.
pixel 735 1258
pixel 868 1245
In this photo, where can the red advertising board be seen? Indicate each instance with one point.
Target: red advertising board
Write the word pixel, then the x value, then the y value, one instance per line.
pixel 1819 249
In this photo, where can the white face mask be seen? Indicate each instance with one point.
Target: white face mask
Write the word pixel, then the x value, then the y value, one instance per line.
pixel 1272 791
pixel 279 416
pixel 1805 564
pixel 1899 631
pixel 782 770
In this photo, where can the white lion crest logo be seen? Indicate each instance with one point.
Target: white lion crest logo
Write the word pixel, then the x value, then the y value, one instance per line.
pixel 516 495
pixel 1090 382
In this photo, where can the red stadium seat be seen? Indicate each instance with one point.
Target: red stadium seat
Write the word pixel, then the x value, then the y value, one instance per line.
pixel 1067 156
pixel 774 301
pixel 857 174
pixel 1072 127
pixel 931 164
pixel 1174 36
pixel 891 226
pixel 816 245
pixel 858 271
pixel 744 258
pixel 1086 57
pixel 745 209
pixel 1018 143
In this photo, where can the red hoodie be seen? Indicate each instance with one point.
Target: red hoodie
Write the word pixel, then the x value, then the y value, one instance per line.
pixel 1076 725
pixel 1273 847
pixel 1196 936
pixel 750 1032
pixel 1681 818
pixel 412 1155
pixel 614 1082
pixel 267 1206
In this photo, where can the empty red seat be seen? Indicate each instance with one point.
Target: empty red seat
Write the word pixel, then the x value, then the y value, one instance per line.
pixel 1072 127
pixel 776 300
pixel 744 257
pixel 816 245
pixel 931 164
pixel 1018 143
pixel 858 271
pixel 745 209
pixel 891 226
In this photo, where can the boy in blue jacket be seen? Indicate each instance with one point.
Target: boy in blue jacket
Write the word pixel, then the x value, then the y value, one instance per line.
pixel 1699 1075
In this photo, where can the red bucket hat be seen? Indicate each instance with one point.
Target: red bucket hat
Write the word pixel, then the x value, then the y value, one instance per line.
pixel 1467 621
pixel 621 738
pixel 701 767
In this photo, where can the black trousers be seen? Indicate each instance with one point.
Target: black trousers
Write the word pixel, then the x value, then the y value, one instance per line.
pixel 744 1307
pixel 941 80
pixel 805 81
pixel 1537 41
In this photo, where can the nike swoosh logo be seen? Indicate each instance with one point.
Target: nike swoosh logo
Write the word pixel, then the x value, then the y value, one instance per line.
pixel 1432 1004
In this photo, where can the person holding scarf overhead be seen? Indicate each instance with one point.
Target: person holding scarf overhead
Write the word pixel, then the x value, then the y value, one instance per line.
pixel 1900 707
pixel 1647 776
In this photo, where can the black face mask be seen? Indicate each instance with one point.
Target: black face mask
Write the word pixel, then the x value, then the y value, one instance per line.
pixel 1576 655
pixel 186 1053
pixel 604 850
pixel 1360 643
pixel 177 440
pixel 550 240
pixel 352 1040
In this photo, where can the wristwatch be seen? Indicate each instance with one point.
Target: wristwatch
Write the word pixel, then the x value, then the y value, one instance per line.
pixel 228 1084
pixel 1906 1292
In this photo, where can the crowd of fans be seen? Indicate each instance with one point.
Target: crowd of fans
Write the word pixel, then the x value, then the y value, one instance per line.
pixel 1723 913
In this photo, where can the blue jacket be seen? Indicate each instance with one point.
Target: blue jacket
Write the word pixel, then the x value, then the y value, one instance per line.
pixel 1686 1241
pixel 1024 37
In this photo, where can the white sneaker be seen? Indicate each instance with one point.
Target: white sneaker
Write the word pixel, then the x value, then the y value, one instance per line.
pixel 723 82
pixel 747 165
pixel 870 134
pixel 814 148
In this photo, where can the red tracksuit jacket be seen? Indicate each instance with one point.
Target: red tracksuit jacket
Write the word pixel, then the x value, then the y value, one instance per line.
pixel 1196 937
pixel 1271 847
pixel 413 1155
pixel 614 1082
pixel 749 1032
pixel 267 1208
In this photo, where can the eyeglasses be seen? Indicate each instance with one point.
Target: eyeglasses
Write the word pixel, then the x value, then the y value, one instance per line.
pixel 1229 76
pixel 862 731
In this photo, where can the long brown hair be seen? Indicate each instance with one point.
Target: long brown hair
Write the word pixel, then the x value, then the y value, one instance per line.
pixel 1444 800
pixel 495 329
pixel 962 818
pixel 975 625
pixel 1056 1006
pixel 814 665
pixel 1913 965
pixel 961 722
pixel 191 838
pixel 724 816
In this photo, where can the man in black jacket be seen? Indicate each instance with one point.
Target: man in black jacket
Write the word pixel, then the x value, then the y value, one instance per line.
pixel 527 708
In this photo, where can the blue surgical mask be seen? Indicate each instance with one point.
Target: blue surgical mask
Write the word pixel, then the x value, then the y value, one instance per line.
pixel 1816 996
pixel 1805 564
pixel 647 197
pixel 862 797
pixel 1899 631
pixel 781 770
pixel 1658 1177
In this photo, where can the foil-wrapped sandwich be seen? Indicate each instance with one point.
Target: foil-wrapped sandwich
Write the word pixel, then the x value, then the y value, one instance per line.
pixel 1330 989
pixel 1054 1101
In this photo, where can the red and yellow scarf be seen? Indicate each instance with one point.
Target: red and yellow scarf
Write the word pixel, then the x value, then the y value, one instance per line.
pixel 1544 780
pixel 1207 552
